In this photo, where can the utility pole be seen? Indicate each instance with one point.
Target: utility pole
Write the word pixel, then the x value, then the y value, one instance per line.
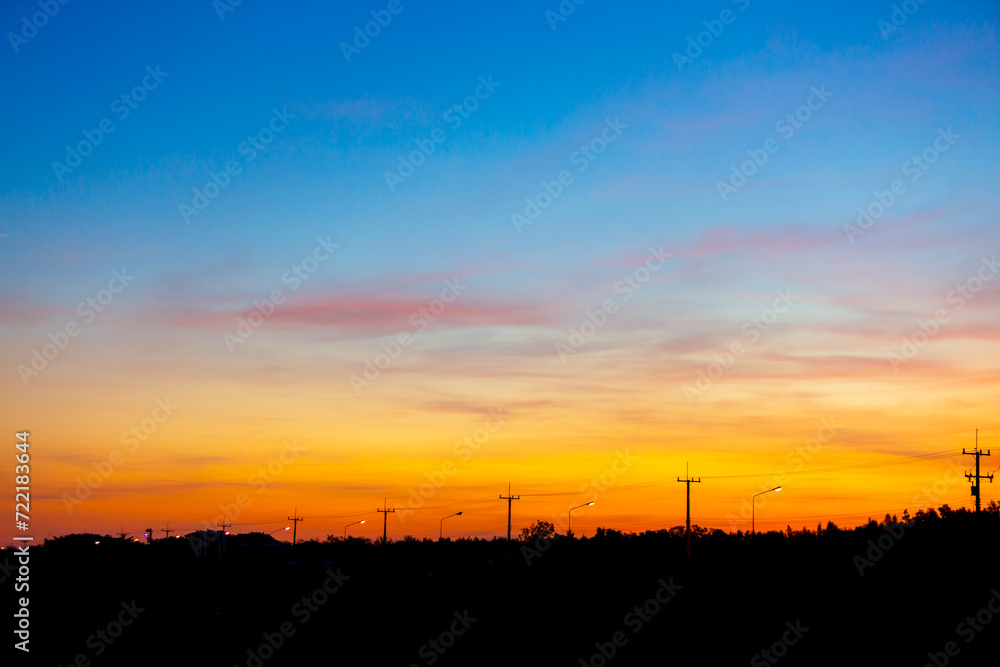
pixel 385 518
pixel 167 531
pixel 122 534
pixel 510 499
pixel 977 487
pixel 222 534
pixel 687 481
pixel 295 518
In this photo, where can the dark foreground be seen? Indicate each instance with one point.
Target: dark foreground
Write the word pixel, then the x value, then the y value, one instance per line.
pixel 609 600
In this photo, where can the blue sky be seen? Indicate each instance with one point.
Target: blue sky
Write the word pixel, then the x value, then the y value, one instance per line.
pixel 225 76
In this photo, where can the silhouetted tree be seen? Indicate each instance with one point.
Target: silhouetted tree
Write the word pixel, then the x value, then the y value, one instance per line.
pixel 540 530
pixel 607 534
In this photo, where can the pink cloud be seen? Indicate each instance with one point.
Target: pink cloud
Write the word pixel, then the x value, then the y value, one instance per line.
pixel 728 239
pixel 15 313
pixel 361 313
pixel 768 243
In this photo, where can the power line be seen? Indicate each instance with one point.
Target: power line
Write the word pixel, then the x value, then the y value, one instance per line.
pixel 258 523
pixel 340 516
pixel 916 458
pixel 476 501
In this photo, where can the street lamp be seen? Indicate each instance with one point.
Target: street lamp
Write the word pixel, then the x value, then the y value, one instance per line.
pixel 350 524
pixel 753 511
pixel 569 523
pixel 277 531
pixel 441 532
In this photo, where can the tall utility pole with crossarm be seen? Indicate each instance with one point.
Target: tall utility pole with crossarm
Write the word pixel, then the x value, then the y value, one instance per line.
pixel 510 499
pixel 295 526
pixel 222 534
pixel 385 518
pixel 977 487
pixel 688 481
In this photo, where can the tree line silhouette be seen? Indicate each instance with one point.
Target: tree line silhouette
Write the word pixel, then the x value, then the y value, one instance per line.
pixel 887 591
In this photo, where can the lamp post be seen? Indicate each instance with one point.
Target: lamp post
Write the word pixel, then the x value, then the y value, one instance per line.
pixel 441 532
pixel 279 530
pixel 569 522
pixel 753 511
pixel 349 525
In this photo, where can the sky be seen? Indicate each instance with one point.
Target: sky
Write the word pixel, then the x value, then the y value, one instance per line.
pixel 256 261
